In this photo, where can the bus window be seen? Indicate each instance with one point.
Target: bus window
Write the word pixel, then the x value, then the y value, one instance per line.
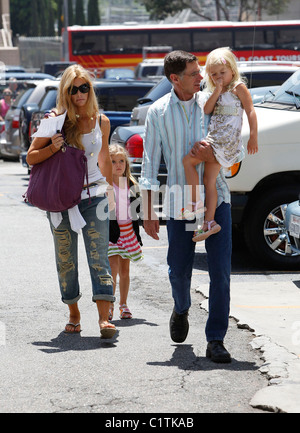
pixel 88 43
pixel 262 38
pixel 208 40
pixel 288 38
pixel 172 38
pixel 127 42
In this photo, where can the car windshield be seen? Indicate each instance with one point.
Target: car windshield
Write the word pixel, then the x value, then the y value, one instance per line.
pixel 160 89
pixel 22 97
pixel 288 93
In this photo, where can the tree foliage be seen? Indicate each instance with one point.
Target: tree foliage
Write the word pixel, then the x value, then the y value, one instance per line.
pixel 93 13
pixel 214 9
pixel 79 13
pixel 46 17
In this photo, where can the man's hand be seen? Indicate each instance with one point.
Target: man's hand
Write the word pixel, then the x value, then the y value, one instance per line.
pixel 151 227
pixel 202 151
pixel 151 221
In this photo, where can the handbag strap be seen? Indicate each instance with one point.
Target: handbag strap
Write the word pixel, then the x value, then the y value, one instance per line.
pixel 85 165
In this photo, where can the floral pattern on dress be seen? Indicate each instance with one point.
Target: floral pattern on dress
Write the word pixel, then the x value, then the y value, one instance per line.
pixel 224 131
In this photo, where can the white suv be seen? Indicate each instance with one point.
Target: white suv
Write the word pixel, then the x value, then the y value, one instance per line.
pixel 265 182
pixel 150 69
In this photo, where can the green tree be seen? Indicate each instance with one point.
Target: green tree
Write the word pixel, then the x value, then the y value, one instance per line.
pixel 20 16
pixel 160 9
pixel 34 28
pixel 70 13
pixel 33 17
pixel 93 13
pixel 59 15
pixel 42 16
pixel 50 19
pixel 79 13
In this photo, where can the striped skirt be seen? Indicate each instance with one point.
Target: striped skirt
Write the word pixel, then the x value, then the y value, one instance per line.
pixel 127 245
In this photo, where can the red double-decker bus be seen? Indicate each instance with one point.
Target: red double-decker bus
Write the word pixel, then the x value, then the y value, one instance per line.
pixel 101 47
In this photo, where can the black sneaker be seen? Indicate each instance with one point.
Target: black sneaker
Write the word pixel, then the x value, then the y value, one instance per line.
pixel 179 326
pixel 217 352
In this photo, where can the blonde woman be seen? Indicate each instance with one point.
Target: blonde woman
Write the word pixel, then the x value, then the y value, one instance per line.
pixel 77 113
pixel 125 241
pixel 228 99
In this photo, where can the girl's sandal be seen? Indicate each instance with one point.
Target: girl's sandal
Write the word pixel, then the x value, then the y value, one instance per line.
pixel 201 235
pixel 188 214
pixel 125 312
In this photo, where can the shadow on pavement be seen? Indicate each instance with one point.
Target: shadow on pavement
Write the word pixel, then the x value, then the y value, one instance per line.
pixel 185 359
pixel 75 342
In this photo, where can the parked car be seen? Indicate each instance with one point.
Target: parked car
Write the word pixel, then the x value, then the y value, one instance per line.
pixel 150 68
pixel 42 90
pixel 10 140
pixel 290 226
pixel 12 68
pixel 262 184
pixel 55 68
pixel 258 74
pixel 118 74
pixel 24 76
pixel 115 97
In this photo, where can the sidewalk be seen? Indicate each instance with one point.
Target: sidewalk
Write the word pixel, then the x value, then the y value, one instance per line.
pixel 271 311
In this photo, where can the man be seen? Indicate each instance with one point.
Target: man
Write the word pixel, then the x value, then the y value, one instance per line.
pixel 175 124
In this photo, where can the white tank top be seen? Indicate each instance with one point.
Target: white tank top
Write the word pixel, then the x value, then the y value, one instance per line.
pixel 92 143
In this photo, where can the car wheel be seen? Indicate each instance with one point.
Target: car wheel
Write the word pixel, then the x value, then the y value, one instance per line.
pixel 265 234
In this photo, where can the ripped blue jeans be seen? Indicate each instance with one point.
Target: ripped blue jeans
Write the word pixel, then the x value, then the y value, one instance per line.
pixel 96 238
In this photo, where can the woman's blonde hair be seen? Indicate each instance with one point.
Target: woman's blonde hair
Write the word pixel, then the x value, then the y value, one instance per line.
pixel 64 102
pixel 221 56
pixel 116 149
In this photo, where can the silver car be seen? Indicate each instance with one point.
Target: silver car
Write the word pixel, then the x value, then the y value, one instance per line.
pixel 9 136
pixel 291 230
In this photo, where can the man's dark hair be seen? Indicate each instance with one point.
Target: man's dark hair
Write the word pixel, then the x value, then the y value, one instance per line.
pixel 175 62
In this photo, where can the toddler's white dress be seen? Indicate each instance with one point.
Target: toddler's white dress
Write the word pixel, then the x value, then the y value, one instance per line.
pixel 224 131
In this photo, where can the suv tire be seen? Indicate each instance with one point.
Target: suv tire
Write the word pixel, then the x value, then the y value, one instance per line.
pixel 264 230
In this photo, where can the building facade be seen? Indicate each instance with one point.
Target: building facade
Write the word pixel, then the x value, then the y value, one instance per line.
pixel 9 54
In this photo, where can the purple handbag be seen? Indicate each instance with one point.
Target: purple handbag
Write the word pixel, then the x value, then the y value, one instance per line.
pixel 56 184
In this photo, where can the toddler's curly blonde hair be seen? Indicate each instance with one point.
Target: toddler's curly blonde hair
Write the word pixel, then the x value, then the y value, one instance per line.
pixel 221 56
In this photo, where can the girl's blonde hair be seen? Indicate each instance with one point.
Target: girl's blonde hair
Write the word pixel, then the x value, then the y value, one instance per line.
pixel 116 149
pixel 64 102
pixel 221 56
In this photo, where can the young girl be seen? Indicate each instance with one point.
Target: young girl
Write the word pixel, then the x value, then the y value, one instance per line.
pixel 229 98
pixel 125 241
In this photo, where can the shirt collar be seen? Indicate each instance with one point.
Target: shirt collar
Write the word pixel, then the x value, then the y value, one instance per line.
pixel 175 100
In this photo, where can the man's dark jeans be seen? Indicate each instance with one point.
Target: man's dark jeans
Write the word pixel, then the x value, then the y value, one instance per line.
pixel 180 260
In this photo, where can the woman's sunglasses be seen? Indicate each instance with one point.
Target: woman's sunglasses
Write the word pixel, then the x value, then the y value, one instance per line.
pixel 84 88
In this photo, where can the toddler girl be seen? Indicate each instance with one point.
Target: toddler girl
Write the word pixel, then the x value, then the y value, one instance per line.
pixel 125 241
pixel 228 99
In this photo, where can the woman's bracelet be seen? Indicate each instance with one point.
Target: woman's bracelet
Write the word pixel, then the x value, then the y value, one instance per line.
pixel 52 149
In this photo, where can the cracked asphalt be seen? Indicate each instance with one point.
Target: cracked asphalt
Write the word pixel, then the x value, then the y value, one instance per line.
pixel 140 370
